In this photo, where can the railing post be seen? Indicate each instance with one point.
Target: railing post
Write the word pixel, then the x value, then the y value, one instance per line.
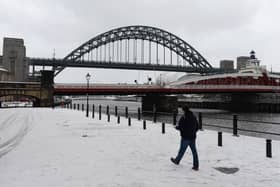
pixel 129 121
pixel 163 128
pixel 119 119
pixel 220 139
pixel 116 111
pixel 99 112
pixel 235 125
pixel 126 112
pixel 268 149
pixel 139 114
pixel 93 111
pixel 144 124
pixel 200 121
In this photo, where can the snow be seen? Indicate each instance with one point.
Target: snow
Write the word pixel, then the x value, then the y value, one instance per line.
pixel 41 147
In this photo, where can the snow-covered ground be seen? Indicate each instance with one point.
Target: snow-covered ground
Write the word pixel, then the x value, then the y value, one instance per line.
pixel 45 147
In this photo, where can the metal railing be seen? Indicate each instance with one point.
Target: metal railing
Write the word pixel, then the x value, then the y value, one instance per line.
pixel 234 122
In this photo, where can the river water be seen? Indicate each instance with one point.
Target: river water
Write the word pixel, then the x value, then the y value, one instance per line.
pixel 266 123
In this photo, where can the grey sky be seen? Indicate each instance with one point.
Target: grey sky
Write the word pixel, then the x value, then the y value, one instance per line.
pixel 218 29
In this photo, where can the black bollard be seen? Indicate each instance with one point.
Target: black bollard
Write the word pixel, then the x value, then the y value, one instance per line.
pixel 92 111
pixel 71 106
pixel 220 139
pixel 99 112
pixel 82 107
pixel 87 110
pixel 74 106
pixel 163 128
pixel 126 112
pixel 144 124
pixel 268 149
pixel 139 114
pixel 116 111
pixel 129 121
pixel 108 117
pixel 78 106
pixel 200 121
pixel 235 125
pixel 119 119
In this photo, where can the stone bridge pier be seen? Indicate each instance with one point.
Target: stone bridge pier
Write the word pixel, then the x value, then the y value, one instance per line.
pixel 41 93
pixel 160 103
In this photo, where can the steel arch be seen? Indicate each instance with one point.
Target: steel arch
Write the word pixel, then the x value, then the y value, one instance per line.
pixel 156 35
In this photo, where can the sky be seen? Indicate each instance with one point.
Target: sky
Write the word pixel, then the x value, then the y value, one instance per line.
pixel 218 29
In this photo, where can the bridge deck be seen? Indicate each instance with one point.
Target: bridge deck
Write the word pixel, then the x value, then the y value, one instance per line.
pixel 120 65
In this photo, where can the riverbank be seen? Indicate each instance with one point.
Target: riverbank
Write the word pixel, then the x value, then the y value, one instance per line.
pixel 60 147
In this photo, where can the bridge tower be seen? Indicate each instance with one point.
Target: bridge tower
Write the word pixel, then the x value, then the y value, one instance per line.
pixel 14 60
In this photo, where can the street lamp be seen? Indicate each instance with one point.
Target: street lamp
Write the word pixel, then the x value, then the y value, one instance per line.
pixel 87 78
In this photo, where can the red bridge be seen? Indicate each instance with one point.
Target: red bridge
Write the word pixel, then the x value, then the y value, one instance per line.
pixel 127 89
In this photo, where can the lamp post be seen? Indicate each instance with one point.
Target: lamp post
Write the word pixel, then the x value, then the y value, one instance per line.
pixel 87 78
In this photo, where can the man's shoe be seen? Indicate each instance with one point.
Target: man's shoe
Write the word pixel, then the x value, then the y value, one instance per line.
pixel 195 168
pixel 174 161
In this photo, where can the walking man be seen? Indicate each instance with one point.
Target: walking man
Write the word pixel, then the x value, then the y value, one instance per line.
pixel 188 127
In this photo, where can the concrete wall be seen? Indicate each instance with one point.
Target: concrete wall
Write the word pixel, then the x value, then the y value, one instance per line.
pixel 4 74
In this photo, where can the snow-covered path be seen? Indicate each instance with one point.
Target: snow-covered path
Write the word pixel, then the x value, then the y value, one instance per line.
pixel 63 148
pixel 13 127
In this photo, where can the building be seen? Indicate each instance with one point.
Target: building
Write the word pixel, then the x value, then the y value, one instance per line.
pixel 227 65
pixel 242 61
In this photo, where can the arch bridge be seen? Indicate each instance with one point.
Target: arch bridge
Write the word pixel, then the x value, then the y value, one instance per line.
pixel 133 47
